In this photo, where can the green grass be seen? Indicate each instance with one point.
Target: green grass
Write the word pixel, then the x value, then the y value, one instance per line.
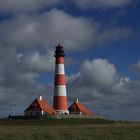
pixel 67 130
pixel 53 122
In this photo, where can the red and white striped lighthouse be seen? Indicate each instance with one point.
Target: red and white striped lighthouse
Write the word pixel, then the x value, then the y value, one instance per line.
pixel 60 93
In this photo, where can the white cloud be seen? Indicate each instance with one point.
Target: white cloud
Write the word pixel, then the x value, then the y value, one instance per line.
pixel 16 6
pixel 19 6
pixel 18 86
pixel 36 62
pixel 99 71
pixel 45 30
pixel 102 4
pixel 136 67
pixel 74 32
pixel 114 34
pixel 96 72
pixel 100 86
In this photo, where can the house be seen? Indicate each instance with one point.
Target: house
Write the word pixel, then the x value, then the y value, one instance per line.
pixel 78 108
pixel 39 107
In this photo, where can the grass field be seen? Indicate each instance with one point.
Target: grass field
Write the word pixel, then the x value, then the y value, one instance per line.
pixel 67 130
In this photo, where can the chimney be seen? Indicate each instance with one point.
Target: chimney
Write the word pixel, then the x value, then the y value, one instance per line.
pixel 40 97
pixel 77 101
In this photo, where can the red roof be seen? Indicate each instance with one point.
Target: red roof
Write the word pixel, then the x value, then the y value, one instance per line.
pixel 41 105
pixel 45 107
pixel 77 107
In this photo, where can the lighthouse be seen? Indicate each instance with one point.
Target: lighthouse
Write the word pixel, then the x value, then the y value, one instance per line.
pixel 60 93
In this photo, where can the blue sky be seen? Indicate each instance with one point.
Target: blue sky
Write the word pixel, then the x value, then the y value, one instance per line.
pixel 101 42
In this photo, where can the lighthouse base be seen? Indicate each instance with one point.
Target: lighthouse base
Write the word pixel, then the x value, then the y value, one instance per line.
pixel 62 111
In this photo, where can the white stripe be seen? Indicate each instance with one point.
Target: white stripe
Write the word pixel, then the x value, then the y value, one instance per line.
pixel 60 90
pixel 59 69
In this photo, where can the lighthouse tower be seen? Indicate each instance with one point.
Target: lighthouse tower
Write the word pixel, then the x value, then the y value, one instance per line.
pixel 60 94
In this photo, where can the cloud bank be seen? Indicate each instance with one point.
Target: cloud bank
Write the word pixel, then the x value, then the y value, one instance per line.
pixel 100 86
pixel 25 6
pixel 41 30
pixel 101 4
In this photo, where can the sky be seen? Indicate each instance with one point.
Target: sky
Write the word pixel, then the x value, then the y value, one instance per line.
pixel 101 40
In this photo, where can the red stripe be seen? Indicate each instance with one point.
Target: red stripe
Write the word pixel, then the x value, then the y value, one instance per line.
pixel 60 103
pixel 60 79
pixel 59 60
